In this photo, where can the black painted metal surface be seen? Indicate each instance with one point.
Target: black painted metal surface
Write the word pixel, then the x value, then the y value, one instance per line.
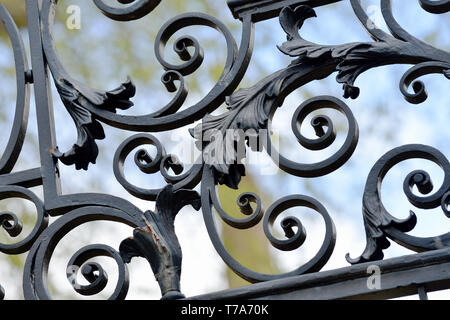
pixel 250 110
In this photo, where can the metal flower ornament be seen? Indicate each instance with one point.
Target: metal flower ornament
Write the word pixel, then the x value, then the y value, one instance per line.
pixel 250 110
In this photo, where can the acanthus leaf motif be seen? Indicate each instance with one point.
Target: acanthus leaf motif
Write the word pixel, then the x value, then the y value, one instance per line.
pixel 248 108
pixel 447 74
pixel 75 98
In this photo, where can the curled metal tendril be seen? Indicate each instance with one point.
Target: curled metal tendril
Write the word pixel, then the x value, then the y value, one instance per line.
pixel 244 201
pixel 149 165
pixel 94 272
pixel 419 178
pixel 324 140
pixel 181 45
pixel 420 94
pixel 168 79
pixel 137 9
pixel 38 260
pixel 13 225
pixel 380 224
pixel 294 238
pixel 422 180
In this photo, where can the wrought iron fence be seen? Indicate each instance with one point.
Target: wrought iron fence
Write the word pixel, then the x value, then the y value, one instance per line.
pixel 221 139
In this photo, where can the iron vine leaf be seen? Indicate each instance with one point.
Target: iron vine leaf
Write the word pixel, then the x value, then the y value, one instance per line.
pixel 76 97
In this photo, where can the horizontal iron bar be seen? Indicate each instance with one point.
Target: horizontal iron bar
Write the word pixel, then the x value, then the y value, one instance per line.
pixel 399 277
pixel 27 179
pixel 267 9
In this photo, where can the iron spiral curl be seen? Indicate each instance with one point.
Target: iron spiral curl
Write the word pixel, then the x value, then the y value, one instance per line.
pixel 324 140
pixel 11 223
pixel 244 201
pixel 36 267
pixel 420 93
pixel 192 61
pixel 94 272
pixel 136 10
pixel 294 238
pixel 160 163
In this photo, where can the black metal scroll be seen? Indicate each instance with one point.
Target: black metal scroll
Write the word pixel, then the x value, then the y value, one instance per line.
pixel 250 110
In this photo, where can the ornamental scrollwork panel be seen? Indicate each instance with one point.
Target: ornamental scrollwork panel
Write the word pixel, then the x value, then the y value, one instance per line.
pixel 249 114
